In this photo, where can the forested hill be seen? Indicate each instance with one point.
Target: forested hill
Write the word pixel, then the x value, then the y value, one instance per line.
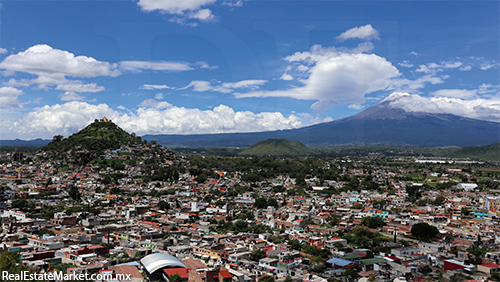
pixel 277 147
pixel 96 137
pixel 487 153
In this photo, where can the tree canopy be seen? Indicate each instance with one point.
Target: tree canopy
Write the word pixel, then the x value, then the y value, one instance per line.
pixel 424 231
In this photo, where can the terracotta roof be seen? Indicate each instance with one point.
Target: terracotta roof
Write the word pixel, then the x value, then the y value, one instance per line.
pixel 183 272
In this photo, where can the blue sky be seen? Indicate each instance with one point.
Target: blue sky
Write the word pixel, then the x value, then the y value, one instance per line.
pixel 208 66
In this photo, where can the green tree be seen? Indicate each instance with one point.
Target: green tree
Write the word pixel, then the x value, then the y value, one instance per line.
pixel 372 222
pixel 295 244
pixel 257 255
pixel 267 278
pixel 21 204
pixel 74 193
pixel 425 270
pixel 357 206
pixel 272 202
pixel 439 200
pixel 424 231
pixel 163 205
pixel 260 203
pixel 175 278
pixel 201 178
pixel 351 274
pixel 288 279
pixel 11 263
pixel 465 211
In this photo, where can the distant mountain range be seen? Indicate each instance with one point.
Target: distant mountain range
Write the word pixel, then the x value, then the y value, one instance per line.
pixel 380 125
pixel 19 142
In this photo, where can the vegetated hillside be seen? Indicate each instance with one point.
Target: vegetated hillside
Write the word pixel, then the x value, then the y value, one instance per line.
pixel 386 151
pixel 486 153
pixel 278 147
pixel 96 137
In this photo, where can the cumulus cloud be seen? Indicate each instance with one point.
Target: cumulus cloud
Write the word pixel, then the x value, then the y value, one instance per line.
pixel 43 60
pixel 482 109
pixel 227 87
pixel 465 68
pixel 335 77
pixel 70 117
pixel 302 68
pixel 3 51
pixel 182 9
pixel 433 68
pixel 406 64
pixel 70 96
pixel 286 76
pixel 366 32
pixel 8 97
pixel 52 66
pixel 159 96
pixel 178 7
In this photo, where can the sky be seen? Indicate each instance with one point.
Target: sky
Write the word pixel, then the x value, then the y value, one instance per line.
pixel 210 66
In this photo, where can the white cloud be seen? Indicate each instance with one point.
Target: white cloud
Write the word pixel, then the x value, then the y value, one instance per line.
pixel 121 107
pixel 366 32
pixel 199 86
pixel 302 68
pixel 227 87
pixel 182 9
pixel 159 96
pixel 70 117
pixel 488 65
pixel 336 78
pixel 178 7
pixel 8 97
pixel 286 76
pixel 433 68
pixel 157 66
pixel 51 66
pixel 482 109
pixel 403 84
pixel 43 82
pixel 413 53
pixel 406 64
pixel 465 68
pixel 238 3
pixel 70 96
pixel 43 60
pixel 155 87
pixel 202 15
pixel 3 51
pixel 455 93
pixel 155 104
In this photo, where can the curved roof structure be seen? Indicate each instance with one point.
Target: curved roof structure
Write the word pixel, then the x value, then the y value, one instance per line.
pixel 154 262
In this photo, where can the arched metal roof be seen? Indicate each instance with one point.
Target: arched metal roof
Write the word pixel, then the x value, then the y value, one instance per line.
pixel 154 262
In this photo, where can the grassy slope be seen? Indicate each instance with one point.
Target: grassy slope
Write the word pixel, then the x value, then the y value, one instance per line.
pixel 278 147
pixel 487 153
